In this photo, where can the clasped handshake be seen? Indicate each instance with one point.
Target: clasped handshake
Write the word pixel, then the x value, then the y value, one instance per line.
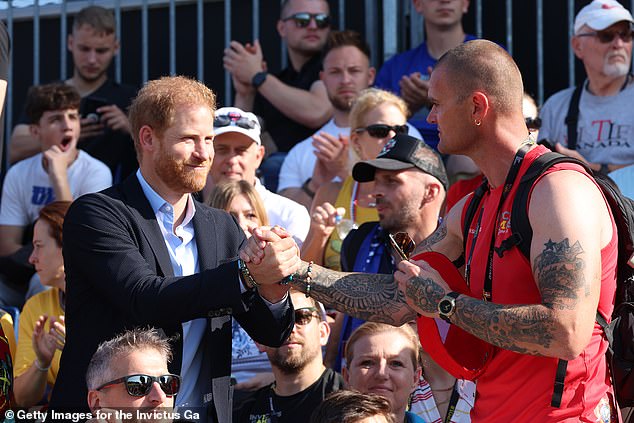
pixel 272 257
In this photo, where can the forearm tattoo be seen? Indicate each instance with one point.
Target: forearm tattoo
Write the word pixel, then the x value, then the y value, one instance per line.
pixel 374 297
pixel 425 293
pixel 529 329
pixel 427 244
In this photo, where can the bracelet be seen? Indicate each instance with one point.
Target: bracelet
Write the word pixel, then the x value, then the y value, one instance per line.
pixel 39 367
pixel 308 278
pixel 247 278
pixel 307 190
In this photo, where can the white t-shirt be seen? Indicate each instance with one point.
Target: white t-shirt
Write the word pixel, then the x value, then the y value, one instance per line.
pixel 285 212
pixel 300 162
pixel 27 187
pixel 605 131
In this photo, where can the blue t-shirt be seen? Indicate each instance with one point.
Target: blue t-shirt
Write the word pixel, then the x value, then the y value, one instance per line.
pixel 414 60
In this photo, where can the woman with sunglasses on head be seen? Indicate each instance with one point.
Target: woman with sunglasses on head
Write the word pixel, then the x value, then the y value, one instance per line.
pixel 375 118
pixel 249 366
pixel 42 331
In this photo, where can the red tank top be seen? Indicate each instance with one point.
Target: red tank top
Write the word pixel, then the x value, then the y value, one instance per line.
pixel 518 387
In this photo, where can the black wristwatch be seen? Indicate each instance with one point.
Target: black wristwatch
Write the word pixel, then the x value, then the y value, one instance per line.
pixel 447 306
pixel 604 169
pixel 258 79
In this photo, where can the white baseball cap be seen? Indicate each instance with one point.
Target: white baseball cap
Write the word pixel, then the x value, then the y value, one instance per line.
pixel 232 119
pixel 601 14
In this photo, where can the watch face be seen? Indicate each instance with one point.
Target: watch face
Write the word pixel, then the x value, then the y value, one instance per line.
pixel 445 306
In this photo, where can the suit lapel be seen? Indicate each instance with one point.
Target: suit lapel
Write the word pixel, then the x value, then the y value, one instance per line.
pixel 205 238
pixel 145 217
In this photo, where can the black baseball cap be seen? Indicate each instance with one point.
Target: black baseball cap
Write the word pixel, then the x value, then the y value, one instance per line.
pixel 403 152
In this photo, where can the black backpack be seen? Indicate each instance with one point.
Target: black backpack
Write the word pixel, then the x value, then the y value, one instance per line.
pixel 620 332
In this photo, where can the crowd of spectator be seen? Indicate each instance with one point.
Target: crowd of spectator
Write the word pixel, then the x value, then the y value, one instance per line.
pixel 159 255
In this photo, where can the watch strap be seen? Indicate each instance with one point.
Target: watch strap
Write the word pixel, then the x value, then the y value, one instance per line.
pixel 258 79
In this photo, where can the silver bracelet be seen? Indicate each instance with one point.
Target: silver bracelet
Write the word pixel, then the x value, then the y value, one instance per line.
pixel 37 365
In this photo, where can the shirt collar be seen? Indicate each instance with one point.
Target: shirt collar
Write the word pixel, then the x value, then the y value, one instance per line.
pixel 156 201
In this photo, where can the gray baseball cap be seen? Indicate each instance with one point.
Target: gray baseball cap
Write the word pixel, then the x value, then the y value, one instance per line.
pixel 403 152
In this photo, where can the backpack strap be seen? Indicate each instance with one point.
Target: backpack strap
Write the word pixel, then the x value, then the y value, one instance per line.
pixel 352 243
pixel 522 236
pixel 472 208
pixel 573 117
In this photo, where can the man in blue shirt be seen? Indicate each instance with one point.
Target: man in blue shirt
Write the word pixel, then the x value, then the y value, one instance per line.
pixel 407 74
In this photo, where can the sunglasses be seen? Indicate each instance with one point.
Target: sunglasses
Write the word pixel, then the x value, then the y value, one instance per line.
pixel 607 36
pixel 402 244
pixel 304 315
pixel 302 20
pixel 533 123
pixel 140 385
pixel 380 130
pixel 234 118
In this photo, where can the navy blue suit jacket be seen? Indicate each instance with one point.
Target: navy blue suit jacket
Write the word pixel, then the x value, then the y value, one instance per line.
pixel 119 275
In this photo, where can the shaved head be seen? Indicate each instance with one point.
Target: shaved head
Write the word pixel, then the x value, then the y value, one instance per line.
pixel 482 65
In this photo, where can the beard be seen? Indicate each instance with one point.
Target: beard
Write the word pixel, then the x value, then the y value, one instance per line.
pixel 343 104
pixel 292 362
pixel 397 219
pixel 178 175
pixel 616 69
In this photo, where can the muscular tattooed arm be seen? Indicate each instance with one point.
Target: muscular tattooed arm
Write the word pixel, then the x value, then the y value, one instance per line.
pixel 377 297
pixel 374 297
pixel 570 226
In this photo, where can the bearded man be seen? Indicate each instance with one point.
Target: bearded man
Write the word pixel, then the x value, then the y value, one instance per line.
pixel 144 252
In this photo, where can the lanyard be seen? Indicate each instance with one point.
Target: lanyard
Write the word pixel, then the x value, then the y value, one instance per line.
pixel 451 409
pixel 508 184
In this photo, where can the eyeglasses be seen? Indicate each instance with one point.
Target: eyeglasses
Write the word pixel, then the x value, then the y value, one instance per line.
pixel 140 385
pixel 607 36
pixel 304 315
pixel 402 244
pixel 380 130
pixel 234 118
pixel 302 20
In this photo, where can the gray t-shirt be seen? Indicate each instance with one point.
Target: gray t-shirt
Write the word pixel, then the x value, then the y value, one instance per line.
pixel 605 133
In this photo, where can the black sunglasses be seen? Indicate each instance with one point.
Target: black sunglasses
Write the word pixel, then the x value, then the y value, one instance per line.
pixel 234 118
pixel 302 20
pixel 140 385
pixel 402 244
pixel 380 130
pixel 304 315
pixel 607 36
pixel 533 123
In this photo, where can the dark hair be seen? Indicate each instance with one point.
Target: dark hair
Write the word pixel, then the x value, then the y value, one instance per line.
pixel 97 17
pixel 337 39
pixel 53 214
pixel 351 406
pixel 44 98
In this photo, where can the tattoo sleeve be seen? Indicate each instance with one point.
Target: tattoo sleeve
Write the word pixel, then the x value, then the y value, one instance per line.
pixel 367 296
pixel 530 329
